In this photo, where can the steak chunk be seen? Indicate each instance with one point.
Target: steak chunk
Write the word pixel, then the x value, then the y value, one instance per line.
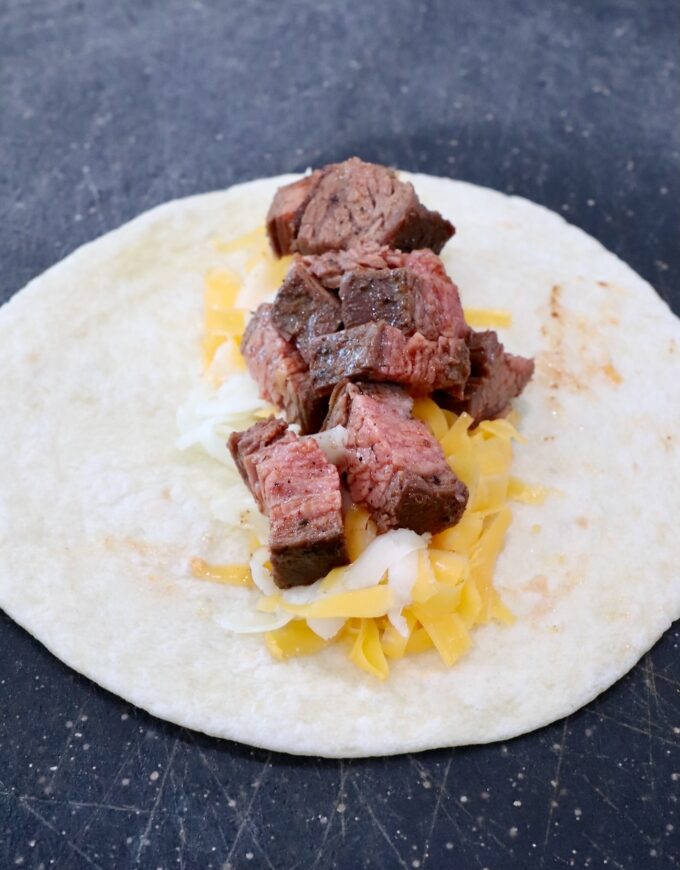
pixel 380 294
pixel 439 310
pixel 299 490
pixel 380 352
pixel 329 268
pixel 350 202
pixel 286 210
pixel 393 465
pixel 246 447
pixel 417 297
pixel 496 377
pixel 281 373
pixel 304 309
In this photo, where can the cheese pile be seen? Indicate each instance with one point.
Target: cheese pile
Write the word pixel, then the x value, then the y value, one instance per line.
pixel 402 593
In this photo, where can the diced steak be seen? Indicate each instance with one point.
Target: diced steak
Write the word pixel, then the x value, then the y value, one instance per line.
pixel 281 373
pixel 380 352
pixel 380 294
pixel 496 377
pixel 286 210
pixel 303 308
pixel 351 202
pixel 439 310
pixel 246 446
pixel 393 465
pixel 418 297
pixel 329 268
pixel 299 489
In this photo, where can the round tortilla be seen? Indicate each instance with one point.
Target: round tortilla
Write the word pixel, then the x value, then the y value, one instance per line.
pixel 100 513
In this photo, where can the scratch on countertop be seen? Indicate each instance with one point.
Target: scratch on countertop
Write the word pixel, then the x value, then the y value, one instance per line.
pixel 143 840
pixel 555 792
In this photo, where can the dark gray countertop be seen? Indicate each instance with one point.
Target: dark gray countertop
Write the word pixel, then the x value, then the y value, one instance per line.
pixel 109 108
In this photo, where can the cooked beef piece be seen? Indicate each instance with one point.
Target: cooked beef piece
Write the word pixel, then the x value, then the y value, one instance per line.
pixel 496 377
pixel 245 447
pixel 352 202
pixel 438 310
pixel 304 309
pixel 393 465
pixel 380 352
pixel 285 212
pixel 281 373
pixel 418 297
pixel 299 490
pixel 329 268
pixel 379 294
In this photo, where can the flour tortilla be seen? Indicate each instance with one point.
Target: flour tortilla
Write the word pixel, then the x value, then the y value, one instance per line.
pixel 100 513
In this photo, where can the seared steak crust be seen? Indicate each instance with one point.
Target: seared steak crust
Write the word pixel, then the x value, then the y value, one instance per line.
pixel 380 352
pixel 496 378
pixel 303 309
pixel 286 210
pixel 418 296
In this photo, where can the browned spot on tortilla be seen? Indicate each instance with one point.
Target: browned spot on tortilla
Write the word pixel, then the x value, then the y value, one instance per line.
pixel 575 355
pixel 548 437
pixel 602 284
pixel 555 295
pixel 668 443
pixel 32 357
pixel 582 522
pixel 161 558
pixel 552 362
pixel 538 583
pixel 612 373
pixel 165 492
pixel 672 347
pixel 563 583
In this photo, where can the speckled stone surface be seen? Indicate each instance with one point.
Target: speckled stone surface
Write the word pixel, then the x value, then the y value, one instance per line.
pixel 109 108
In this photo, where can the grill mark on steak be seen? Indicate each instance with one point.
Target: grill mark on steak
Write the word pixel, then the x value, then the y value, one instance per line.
pixel 346 203
pixel 496 378
pixel 380 352
pixel 299 490
pixel 281 373
pixel 303 309
pixel 393 465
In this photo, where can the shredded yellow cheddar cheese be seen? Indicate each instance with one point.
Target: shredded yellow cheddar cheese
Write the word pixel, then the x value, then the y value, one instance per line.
pixel 452 591
pixel 232 575
pixel 487 318
pixel 224 319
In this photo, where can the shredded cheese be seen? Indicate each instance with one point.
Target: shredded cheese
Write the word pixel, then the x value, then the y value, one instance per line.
pixel 294 639
pixel 225 307
pixel 487 317
pixel 402 593
pixel 232 575
pixel 367 652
